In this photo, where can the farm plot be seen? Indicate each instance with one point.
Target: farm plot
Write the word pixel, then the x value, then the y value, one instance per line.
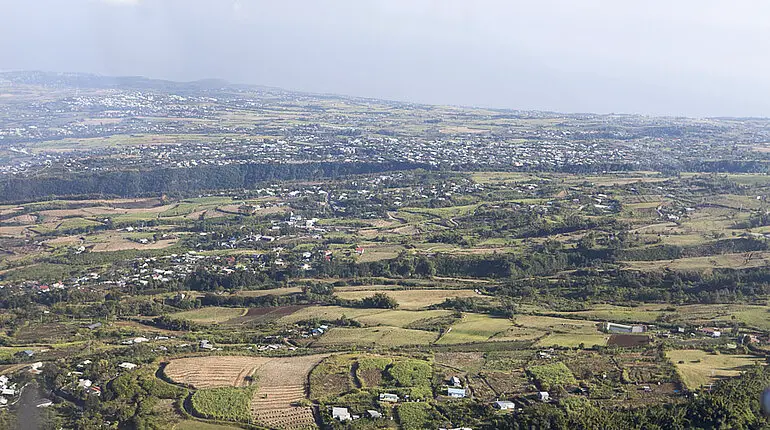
pixel 752 315
pixel 210 315
pixel 267 314
pixel 411 299
pixel 282 383
pixel 211 372
pixel 373 336
pixel 475 328
pixel 697 368
pixel 573 340
pixel 399 318
pixel 326 313
pixel 332 377
pixel 273 292
pixel 604 312
pixel 558 325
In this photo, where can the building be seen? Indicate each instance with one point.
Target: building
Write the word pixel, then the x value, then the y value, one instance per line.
pixel 504 405
pixel 710 331
pixel 543 396
pixel 374 414
pixel 43 403
pixel 388 397
pixel 621 328
pixel 27 353
pixel 455 381
pixel 341 414
pixel 457 393
pixel 128 366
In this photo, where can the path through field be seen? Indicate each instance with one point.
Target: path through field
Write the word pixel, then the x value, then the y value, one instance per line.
pixel 282 382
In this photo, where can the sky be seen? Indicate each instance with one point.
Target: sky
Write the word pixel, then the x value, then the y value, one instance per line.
pixel 656 57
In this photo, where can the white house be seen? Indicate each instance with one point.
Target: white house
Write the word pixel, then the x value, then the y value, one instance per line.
pixel 388 397
pixel 128 366
pixel 504 405
pixel 457 393
pixel 543 396
pixel 342 414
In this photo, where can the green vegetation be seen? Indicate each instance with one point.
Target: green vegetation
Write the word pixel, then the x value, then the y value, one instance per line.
pixel 225 403
pixel 550 376
pixel 698 368
pixel 410 373
pixel 327 283
pixel 414 416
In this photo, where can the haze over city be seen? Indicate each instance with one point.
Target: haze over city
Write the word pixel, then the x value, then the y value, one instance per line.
pixel 694 58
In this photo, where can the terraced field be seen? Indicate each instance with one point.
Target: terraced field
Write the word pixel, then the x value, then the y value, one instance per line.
pixel 283 383
pixel 211 372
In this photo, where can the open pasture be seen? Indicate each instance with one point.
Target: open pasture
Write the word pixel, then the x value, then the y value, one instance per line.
pixel 375 336
pixel 325 313
pixel 399 318
pixel 410 299
pixel 614 313
pixel 697 368
pixel 475 328
pixel 557 325
pixel 210 315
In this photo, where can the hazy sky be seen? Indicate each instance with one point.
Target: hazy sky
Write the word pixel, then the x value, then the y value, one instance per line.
pixel 684 57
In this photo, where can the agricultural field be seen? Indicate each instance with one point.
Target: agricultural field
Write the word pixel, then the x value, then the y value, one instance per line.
pixel 215 371
pixel 375 336
pixel 198 425
pixel 411 299
pixel 476 328
pixel 210 315
pixel 698 368
pixel 281 383
pixel 223 403
pixel 292 253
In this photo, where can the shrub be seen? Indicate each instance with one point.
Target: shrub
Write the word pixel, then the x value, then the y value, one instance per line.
pixel 411 373
pixel 225 403
pixel 549 376
pixel 413 415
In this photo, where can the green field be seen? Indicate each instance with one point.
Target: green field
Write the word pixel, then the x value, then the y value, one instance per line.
pixel 411 299
pixel 210 315
pixel 225 403
pixel 199 425
pixel 557 325
pixel 573 340
pixel 604 312
pixel 698 368
pixel 475 328
pixel 327 313
pixel 375 336
pixel 399 318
